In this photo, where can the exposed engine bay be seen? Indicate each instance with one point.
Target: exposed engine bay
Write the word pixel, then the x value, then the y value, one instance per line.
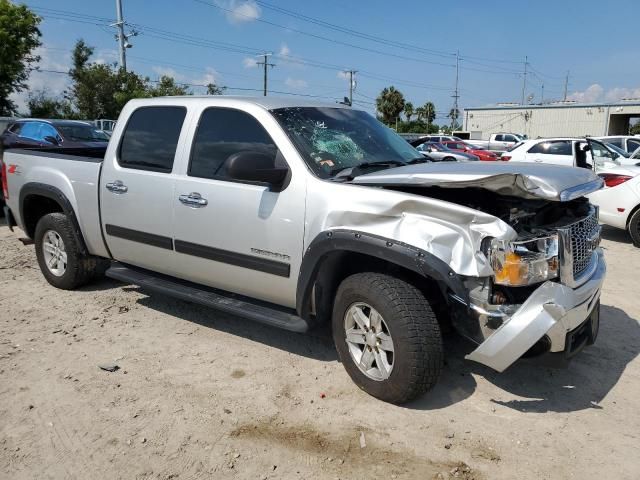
pixel 530 218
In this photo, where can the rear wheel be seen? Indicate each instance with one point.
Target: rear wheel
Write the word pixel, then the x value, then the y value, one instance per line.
pixel 634 228
pixel 448 159
pixel 387 337
pixel 59 255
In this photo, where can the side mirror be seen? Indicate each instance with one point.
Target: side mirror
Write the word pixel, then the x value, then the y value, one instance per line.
pixel 256 167
pixel 51 139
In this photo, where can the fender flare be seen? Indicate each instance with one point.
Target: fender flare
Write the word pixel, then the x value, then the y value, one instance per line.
pixel 55 194
pixel 417 260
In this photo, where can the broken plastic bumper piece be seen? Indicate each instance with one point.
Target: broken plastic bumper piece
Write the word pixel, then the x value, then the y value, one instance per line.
pixel 553 310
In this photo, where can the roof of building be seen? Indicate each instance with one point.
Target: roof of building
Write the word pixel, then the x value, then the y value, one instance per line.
pixel 630 103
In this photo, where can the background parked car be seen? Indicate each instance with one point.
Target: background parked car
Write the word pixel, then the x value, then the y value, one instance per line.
pixel 498 142
pixel 439 153
pixel 628 143
pixel 68 136
pixel 481 153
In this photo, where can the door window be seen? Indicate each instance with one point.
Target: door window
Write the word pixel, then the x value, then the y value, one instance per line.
pixel 150 138
pixel 31 130
pixel 633 145
pixel 48 131
pixel 221 133
pixel 499 138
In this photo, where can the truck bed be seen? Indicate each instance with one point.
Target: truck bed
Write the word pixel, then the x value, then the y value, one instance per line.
pixel 76 177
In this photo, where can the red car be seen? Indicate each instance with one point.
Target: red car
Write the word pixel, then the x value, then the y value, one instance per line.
pixel 460 146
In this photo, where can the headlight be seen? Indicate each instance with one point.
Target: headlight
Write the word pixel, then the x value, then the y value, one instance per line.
pixel 524 262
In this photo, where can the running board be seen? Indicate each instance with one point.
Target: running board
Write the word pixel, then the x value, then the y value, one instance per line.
pixel 254 310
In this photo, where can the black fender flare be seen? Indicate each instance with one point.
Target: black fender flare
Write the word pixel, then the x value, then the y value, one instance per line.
pixel 419 261
pixel 55 194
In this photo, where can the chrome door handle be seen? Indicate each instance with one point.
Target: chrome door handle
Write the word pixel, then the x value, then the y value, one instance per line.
pixel 117 187
pixel 193 199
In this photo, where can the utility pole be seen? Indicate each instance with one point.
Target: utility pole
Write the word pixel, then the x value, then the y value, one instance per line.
pixel 542 95
pixel 456 95
pixel 524 78
pixel 351 74
pixel 121 36
pixel 566 85
pixel 266 64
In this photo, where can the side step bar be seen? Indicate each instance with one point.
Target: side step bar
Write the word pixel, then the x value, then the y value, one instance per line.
pixel 256 310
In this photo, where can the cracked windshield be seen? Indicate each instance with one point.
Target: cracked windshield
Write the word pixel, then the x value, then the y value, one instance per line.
pixel 333 139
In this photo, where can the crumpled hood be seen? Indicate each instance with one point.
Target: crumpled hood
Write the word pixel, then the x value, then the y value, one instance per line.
pixel 525 180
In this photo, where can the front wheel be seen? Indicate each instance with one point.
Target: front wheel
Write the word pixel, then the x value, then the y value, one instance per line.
pixel 387 337
pixel 634 228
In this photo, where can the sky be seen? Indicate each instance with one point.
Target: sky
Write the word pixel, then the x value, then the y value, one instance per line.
pixel 411 45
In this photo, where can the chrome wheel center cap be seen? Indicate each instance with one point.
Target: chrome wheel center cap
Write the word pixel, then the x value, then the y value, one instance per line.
pixel 371 339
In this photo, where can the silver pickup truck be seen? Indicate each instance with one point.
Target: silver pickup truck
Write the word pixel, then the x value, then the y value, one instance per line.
pixel 305 215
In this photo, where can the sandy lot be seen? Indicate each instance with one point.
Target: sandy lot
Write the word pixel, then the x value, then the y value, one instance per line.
pixel 205 395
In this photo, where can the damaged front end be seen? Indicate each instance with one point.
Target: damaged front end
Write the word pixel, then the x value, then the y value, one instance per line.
pixel 543 296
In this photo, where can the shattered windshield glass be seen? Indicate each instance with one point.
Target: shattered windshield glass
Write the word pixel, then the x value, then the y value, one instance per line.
pixel 332 139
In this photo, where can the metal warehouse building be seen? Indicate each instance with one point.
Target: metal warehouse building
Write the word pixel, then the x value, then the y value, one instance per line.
pixel 553 120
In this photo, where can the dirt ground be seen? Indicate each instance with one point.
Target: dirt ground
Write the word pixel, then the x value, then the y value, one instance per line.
pixel 203 395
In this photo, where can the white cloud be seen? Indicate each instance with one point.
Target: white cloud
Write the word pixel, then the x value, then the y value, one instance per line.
pixel 343 75
pixel 238 11
pixel 285 51
pixel 169 72
pixel 53 83
pixel 616 94
pixel 595 93
pixel 250 62
pixel 295 83
pixel 210 76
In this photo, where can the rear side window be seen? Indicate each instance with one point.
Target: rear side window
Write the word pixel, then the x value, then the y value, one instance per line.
pixel 150 138
pixel 221 133
pixel 615 141
pixel 15 128
pixel 499 138
pixel 632 145
pixel 552 148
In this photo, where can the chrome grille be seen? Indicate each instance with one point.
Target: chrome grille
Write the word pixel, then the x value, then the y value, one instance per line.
pixel 585 237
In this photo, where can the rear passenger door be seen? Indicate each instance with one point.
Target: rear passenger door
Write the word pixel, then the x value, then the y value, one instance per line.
pixel 241 237
pixel 137 188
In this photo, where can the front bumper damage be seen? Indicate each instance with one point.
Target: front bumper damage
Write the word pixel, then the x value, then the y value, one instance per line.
pixel 554 310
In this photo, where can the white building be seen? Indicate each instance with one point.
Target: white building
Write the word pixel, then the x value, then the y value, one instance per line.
pixel 553 120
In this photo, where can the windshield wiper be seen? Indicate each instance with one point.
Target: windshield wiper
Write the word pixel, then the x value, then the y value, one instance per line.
pixel 420 159
pixel 342 172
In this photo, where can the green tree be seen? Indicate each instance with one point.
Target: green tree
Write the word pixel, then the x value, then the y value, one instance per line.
pixel 390 104
pixel 429 114
pixel 408 111
pixel 19 36
pixel 42 105
pixel 101 90
pixel 635 129
pixel 167 87
pixel 213 89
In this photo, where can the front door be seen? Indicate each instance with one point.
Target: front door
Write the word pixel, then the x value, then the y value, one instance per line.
pixel 137 188
pixel 240 237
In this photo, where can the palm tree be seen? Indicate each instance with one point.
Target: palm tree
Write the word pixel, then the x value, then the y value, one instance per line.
pixel 429 113
pixel 390 104
pixel 408 110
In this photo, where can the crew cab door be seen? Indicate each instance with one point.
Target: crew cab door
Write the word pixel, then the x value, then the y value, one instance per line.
pixel 137 187
pixel 559 152
pixel 241 237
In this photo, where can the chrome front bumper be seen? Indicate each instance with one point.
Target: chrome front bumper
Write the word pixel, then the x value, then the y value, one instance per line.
pixel 553 309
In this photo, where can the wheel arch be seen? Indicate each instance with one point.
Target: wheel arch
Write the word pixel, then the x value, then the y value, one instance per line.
pixel 39 199
pixel 333 255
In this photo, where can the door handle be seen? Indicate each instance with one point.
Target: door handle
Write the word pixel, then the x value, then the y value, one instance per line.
pixel 193 199
pixel 117 187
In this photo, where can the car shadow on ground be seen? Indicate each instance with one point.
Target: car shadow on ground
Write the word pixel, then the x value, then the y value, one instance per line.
pixel 317 344
pixel 588 379
pixel 615 234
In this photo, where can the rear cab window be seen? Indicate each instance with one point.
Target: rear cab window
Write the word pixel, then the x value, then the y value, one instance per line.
pixel 150 138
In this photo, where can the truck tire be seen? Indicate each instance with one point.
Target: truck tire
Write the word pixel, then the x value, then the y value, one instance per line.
pixel 387 337
pixel 448 159
pixel 634 228
pixel 59 255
